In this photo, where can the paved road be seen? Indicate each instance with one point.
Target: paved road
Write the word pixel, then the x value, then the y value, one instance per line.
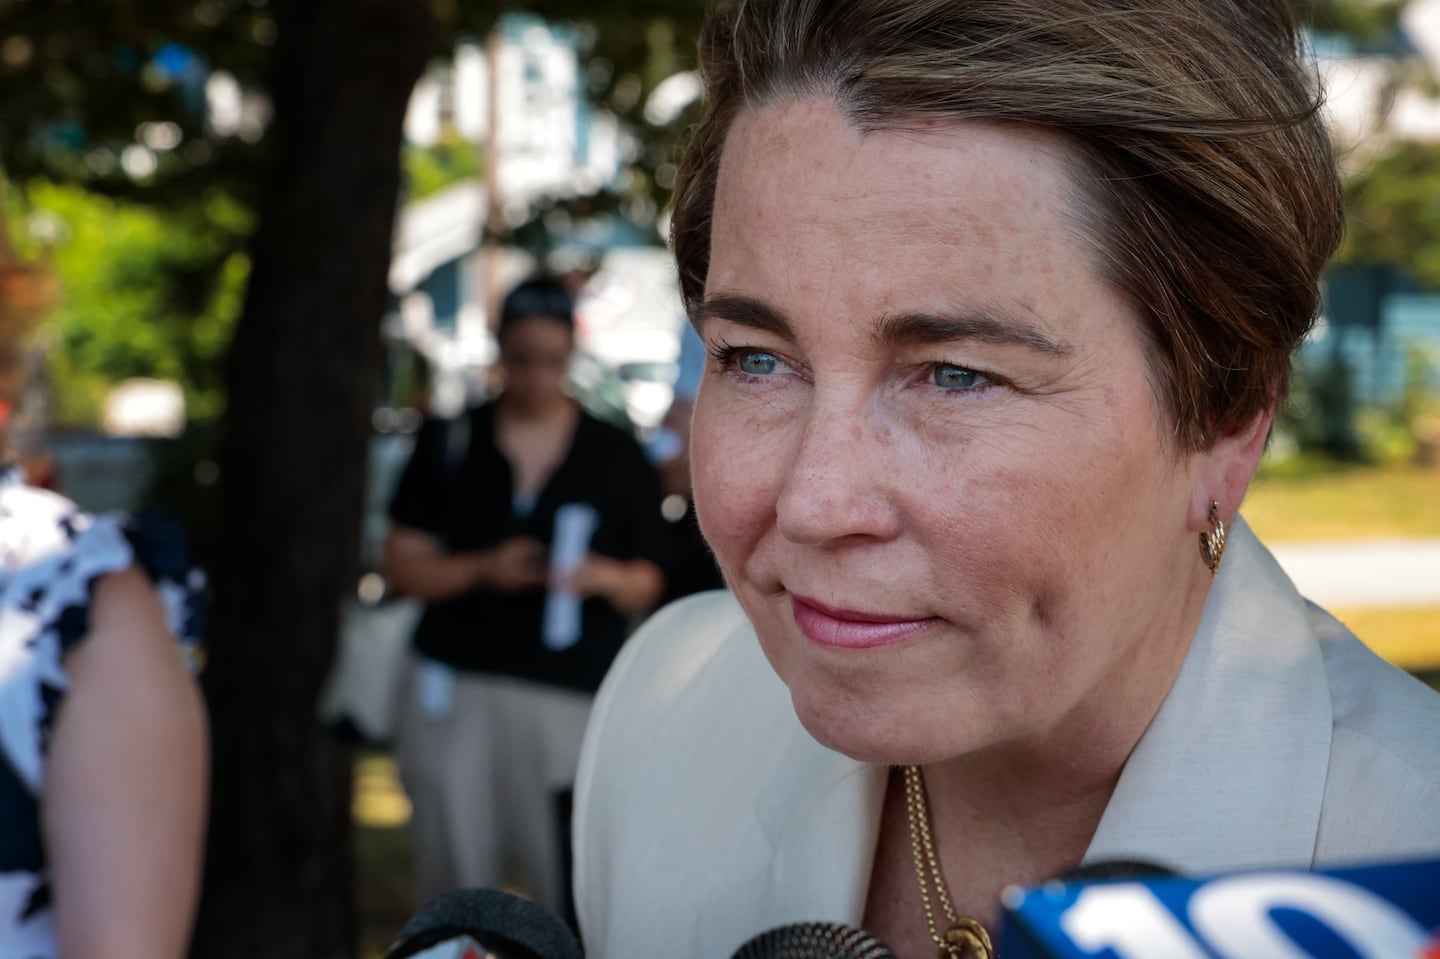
pixel 1393 572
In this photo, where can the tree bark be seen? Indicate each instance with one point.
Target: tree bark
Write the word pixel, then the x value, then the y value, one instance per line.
pixel 302 375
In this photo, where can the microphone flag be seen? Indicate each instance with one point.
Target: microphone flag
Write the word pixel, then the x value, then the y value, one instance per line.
pixel 461 948
pixel 1389 911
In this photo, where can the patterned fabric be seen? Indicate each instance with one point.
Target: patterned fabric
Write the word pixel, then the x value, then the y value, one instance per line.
pixel 50 555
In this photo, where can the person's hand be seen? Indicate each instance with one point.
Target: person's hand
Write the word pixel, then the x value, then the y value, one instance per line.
pixel 595 576
pixel 516 565
pixel 631 586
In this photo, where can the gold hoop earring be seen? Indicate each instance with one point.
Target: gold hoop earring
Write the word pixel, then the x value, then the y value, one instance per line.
pixel 1212 542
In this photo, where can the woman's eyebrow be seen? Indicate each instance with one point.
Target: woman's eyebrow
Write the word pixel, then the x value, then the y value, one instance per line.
pixel 926 328
pixel 744 311
pixel 901 328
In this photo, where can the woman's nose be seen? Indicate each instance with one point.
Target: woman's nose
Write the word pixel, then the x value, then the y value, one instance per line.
pixel 840 480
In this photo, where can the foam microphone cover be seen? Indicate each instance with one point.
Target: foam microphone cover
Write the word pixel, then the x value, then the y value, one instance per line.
pixel 504 923
pixel 1116 869
pixel 815 940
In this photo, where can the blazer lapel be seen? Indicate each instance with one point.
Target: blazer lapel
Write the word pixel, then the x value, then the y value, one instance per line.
pixel 1231 772
pixel 820 815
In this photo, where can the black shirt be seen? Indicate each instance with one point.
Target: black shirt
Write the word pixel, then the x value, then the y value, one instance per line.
pixel 459 488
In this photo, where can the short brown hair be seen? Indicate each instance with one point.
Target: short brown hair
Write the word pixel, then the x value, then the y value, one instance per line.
pixel 1209 181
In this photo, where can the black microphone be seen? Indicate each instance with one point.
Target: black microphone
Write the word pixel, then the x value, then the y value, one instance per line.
pixel 485 923
pixel 1115 869
pixel 814 940
pixel 834 940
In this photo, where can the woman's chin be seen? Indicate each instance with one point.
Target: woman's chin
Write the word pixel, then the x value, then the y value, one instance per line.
pixel 870 736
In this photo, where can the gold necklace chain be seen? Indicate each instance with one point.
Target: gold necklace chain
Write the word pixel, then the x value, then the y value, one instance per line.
pixel 965 936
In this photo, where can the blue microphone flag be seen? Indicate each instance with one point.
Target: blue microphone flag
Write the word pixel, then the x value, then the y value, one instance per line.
pixel 1373 912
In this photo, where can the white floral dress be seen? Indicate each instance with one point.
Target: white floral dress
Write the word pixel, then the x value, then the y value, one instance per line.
pixel 50 555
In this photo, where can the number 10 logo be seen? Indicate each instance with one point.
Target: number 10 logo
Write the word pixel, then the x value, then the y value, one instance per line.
pixel 1231 918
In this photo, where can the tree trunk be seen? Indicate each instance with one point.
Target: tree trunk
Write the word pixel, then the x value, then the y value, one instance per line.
pixel 302 377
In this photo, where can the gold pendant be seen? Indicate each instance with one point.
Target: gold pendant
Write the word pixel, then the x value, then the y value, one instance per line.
pixel 966 937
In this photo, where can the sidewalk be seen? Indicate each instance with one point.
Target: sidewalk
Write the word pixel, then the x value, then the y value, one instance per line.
pixel 1382 572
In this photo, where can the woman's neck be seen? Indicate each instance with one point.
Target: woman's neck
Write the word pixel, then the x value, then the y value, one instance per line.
pixel 1023 812
pixel 535 442
pixel 560 411
pixel 1061 776
pixel 983 847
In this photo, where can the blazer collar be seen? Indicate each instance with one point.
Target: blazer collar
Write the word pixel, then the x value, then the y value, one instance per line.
pixel 1231 771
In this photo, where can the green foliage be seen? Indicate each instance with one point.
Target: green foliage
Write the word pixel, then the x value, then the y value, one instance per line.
pixel 451 159
pixel 145 294
pixel 155 293
pixel 1318 419
pixel 1399 432
pixel 627 50
pixel 633 51
pixel 1366 23
pixel 1322 424
pixel 81 80
pixel 1394 216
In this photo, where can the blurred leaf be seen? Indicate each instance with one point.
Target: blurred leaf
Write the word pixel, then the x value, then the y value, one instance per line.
pixel 1394 211
pixel 145 294
pixel 451 159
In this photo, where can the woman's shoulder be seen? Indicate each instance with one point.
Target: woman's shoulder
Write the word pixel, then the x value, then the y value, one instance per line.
pixel 695 642
pixel 1376 700
pixel 45 536
pixel 1374 697
pixel 1382 790
pixel 686 732
pixel 34 517
pixel 691 681
pixel 51 553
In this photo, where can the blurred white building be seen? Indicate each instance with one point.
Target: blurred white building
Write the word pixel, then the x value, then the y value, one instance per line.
pixel 549 142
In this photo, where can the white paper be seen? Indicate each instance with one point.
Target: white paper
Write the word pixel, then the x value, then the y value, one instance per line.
pixel 435 689
pixel 574 525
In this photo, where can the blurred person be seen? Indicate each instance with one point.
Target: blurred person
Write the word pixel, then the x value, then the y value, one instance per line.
pixel 102 788
pixel 999 298
pixel 690 566
pixel 492 708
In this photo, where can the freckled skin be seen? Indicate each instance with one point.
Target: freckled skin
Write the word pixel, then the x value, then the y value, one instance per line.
pixel 1040 519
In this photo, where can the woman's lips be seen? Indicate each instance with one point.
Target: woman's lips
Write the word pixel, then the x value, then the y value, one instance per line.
pixel 849 629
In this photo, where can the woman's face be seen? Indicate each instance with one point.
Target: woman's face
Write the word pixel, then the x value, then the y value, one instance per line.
pixel 534 358
pixel 927 451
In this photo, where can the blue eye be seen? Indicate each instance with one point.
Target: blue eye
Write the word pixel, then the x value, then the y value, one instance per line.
pixel 757 364
pixel 950 377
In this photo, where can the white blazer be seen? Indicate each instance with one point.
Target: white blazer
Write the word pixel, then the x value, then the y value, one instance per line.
pixel 705 813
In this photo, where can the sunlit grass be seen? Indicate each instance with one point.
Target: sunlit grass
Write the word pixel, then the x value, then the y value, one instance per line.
pixel 1337 503
pixel 381 813
pixel 1408 636
pixel 380 803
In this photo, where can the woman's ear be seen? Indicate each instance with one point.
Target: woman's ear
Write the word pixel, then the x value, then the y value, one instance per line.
pixel 1222 473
